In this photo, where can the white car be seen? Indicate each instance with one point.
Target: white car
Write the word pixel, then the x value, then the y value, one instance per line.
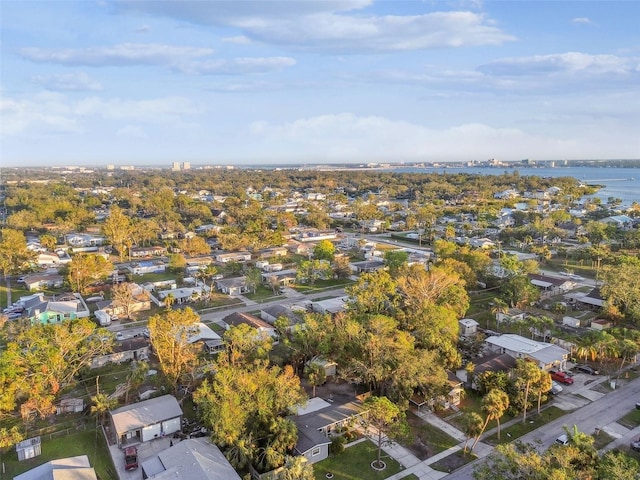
pixel 562 439
pixel 556 388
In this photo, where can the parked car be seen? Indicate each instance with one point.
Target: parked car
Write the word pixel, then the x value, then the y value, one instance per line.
pixel 556 388
pixel 587 369
pixel 635 445
pixel 563 439
pixel 562 377
pixel 130 458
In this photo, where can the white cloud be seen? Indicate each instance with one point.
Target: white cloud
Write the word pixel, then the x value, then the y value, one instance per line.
pixel 347 137
pixel 47 113
pixel 143 29
pixel 77 81
pixel 238 39
pixel 570 62
pixel 582 20
pixel 122 54
pixel 237 66
pixel 334 26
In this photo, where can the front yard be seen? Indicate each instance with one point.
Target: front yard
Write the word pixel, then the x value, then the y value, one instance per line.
pixel 354 463
pixel 426 440
pixel 518 429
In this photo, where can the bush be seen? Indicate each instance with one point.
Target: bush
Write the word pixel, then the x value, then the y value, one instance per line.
pixel 337 445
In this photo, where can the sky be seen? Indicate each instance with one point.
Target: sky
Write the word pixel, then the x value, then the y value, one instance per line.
pixel 273 82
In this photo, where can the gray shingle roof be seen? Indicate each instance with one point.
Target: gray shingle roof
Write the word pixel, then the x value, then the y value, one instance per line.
pixel 142 414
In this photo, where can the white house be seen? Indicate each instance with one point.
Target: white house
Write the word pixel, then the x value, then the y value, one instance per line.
pixel 545 355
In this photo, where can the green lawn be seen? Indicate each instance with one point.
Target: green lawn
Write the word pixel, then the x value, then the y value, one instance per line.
pixel 602 439
pixel 472 402
pixel 533 422
pixel 354 463
pixel 155 277
pixel 82 443
pixel 261 294
pixel 454 461
pixel 630 420
pixel 17 291
pixel 323 285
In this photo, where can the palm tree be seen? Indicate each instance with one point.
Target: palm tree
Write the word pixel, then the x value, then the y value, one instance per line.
pixel 527 374
pixel 101 405
pixel 494 404
pixel 472 427
pixel 499 308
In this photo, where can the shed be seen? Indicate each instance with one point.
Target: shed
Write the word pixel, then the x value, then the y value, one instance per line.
pixel 29 448
pixel 70 405
pixel 571 321
pixel 600 324
pixel 468 327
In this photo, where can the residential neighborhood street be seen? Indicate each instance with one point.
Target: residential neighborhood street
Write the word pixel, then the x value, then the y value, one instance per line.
pixel 602 414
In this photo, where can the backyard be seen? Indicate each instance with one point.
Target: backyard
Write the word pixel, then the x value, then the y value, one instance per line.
pixel 86 442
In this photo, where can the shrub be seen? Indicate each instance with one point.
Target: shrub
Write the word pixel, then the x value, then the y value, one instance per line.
pixel 337 445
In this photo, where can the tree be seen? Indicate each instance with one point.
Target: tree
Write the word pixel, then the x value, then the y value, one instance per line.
pixel 296 468
pixel 48 241
pixel 245 345
pixel 310 271
pixel 384 418
pixel 41 359
pixel 472 425
pixel 119 230
pixel 84 269
pixel 527 374
pixel 14 256
pixel 209 273
pixel 499 308
pixel 194 245
pixel 246 409
pixel 341 268
pixel 395 260
pixel 324 250
pixel 253 278
pixel 170 334
pixel 494 405
pixel 101 405
pixel 316 375
pixel 125 296
pixel 619 466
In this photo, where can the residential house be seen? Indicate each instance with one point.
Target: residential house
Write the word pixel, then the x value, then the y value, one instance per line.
pixel 512 315
pixel 314 235
pixel 261 327
pixel 156 251
pixel 283 277
pixel 494 362
pixel 136 348
pixel 146 420
pixel 592 300
pixel 545 355
pixel 451 399
pixel 367 266
pixel 233 286
pixel 70 468
pixel 39 281
pixel 150 266
pixel 319 419
pixel 332 306
pixel 273 252
pixel 181 295
pixel 622 222
pixel 271 313
pixel 330 368
pixel 551 285
pixel 46 310
pixel 193 458
pixel 238 257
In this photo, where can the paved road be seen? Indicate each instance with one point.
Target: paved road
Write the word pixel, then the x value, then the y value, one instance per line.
pixel 601 413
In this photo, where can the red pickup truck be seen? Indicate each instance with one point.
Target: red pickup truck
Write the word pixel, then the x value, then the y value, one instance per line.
pixel 561 377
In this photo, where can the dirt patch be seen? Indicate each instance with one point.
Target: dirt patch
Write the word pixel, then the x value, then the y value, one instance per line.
pixel 453 462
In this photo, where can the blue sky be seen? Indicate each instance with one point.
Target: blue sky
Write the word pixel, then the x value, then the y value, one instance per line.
pixel 251 82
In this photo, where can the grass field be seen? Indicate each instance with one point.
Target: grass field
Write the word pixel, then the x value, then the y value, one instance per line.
pixel 534 421
pixel 354 463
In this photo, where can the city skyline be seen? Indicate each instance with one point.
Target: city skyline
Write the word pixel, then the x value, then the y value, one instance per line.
pixel 265 82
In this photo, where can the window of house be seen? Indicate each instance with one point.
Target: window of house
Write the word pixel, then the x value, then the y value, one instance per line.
pixel 315 451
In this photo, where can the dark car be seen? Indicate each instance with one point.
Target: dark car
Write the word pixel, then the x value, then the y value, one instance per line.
pixel 130 458
pixel 587 369
pixel 635 445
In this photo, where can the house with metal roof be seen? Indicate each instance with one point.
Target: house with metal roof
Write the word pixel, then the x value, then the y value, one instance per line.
pixel 71 468
pixel 545 355
pixel 144 421
pixel 194 458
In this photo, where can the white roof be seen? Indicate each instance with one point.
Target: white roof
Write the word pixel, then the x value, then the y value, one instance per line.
pixel 516 343
pixel 312 405
pixel 469 322
pixel 71 468
pixel 142 414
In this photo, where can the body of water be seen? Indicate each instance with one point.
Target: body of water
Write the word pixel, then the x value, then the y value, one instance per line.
pixel 621 183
